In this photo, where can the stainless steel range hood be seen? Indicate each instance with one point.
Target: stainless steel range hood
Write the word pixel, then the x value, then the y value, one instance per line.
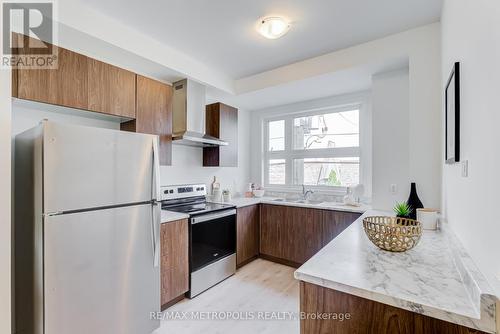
pixel 188 122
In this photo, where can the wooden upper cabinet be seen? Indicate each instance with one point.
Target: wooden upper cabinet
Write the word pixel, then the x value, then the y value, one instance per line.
pixel 154 114
pixel 221 121
pixel 111 89
pixel 65 86
pixel 85 83
pixel 78 82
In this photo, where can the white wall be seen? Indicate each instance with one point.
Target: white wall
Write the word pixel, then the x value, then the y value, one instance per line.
pixel 422 48
pixel 391 138
pixel 26 115
pixel 471 35
pixel 187 163
pixel 5 202
pixel 425 116
pixel 422 148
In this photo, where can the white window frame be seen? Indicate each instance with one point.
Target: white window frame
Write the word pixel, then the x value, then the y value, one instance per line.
pixel 289 154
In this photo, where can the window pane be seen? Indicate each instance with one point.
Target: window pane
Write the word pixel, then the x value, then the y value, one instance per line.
pixel 339 129
pixel 326 171
pixel 277 171
pixel 277 135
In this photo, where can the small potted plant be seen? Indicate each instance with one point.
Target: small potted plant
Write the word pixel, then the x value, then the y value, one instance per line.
pixel 226 195
pixel 402 210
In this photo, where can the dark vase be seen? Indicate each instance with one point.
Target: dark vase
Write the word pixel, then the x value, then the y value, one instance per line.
pixel 414 202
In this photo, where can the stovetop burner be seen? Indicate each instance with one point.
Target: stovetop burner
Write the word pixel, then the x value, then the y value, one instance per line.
pixel 196 208
pixel 189 199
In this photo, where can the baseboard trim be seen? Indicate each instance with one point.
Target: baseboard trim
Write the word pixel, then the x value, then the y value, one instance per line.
pixel 172 302
pixel 247 261
pixel 280 261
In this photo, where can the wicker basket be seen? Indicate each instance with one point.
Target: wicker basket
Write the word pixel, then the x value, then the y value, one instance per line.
pixel 393 233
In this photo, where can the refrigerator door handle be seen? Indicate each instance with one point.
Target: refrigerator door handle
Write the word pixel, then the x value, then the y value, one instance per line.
pixel 155 189
pixel 155 233
pixel 156 207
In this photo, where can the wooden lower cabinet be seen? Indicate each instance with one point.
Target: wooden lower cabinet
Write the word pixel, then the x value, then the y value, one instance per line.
pixel 334 222
pixel 247 234
pixel 365 316
pixel 292 235
pixel 304 234
pixel 174 263
pixel 273 226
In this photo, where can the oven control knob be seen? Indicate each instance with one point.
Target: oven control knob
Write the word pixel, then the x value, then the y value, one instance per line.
pixel 171 191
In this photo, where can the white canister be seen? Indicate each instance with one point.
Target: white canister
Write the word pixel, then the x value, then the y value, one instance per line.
pixel 428 218
pixel 217 195
pixel 226 197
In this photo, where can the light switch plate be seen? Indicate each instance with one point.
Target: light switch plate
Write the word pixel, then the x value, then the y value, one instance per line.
pixel 465 168
pixel 394 188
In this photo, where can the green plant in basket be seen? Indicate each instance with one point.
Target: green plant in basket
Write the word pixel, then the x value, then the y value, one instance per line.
pixel 402 209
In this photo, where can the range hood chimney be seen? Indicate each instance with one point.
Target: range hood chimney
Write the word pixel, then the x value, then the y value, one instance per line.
pixel 188 121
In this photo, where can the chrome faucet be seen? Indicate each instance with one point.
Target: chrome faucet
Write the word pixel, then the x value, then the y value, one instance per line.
pixel 305 193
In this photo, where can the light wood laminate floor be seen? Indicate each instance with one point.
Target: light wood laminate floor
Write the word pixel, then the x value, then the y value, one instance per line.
pixel 259 287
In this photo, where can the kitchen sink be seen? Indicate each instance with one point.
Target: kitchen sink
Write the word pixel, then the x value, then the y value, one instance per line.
pixel 301 201
pixel 307 201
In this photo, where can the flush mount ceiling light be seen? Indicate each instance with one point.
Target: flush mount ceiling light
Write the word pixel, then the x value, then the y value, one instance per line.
pixel 273 27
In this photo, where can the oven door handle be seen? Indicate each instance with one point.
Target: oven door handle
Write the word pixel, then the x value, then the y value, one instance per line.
pixel 212 216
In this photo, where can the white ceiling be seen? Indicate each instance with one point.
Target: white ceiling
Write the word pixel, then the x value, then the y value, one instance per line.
pixel 221 33
pixel 351 80
pixel 335 83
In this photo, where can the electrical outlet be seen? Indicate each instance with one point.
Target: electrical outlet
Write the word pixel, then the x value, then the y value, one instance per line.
pixel 394 188
pixel 465 168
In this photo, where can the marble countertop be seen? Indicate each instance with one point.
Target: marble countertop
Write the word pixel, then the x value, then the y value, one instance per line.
pixel 436 278
pixel 170 216
pixel 243 201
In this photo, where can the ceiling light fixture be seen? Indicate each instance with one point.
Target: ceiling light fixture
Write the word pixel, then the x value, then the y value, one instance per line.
pixel 273 27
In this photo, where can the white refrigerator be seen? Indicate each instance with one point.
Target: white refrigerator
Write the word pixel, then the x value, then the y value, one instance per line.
pixel 86 231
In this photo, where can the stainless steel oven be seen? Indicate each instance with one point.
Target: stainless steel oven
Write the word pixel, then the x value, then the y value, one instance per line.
pixel 212 235
pixel 212 249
